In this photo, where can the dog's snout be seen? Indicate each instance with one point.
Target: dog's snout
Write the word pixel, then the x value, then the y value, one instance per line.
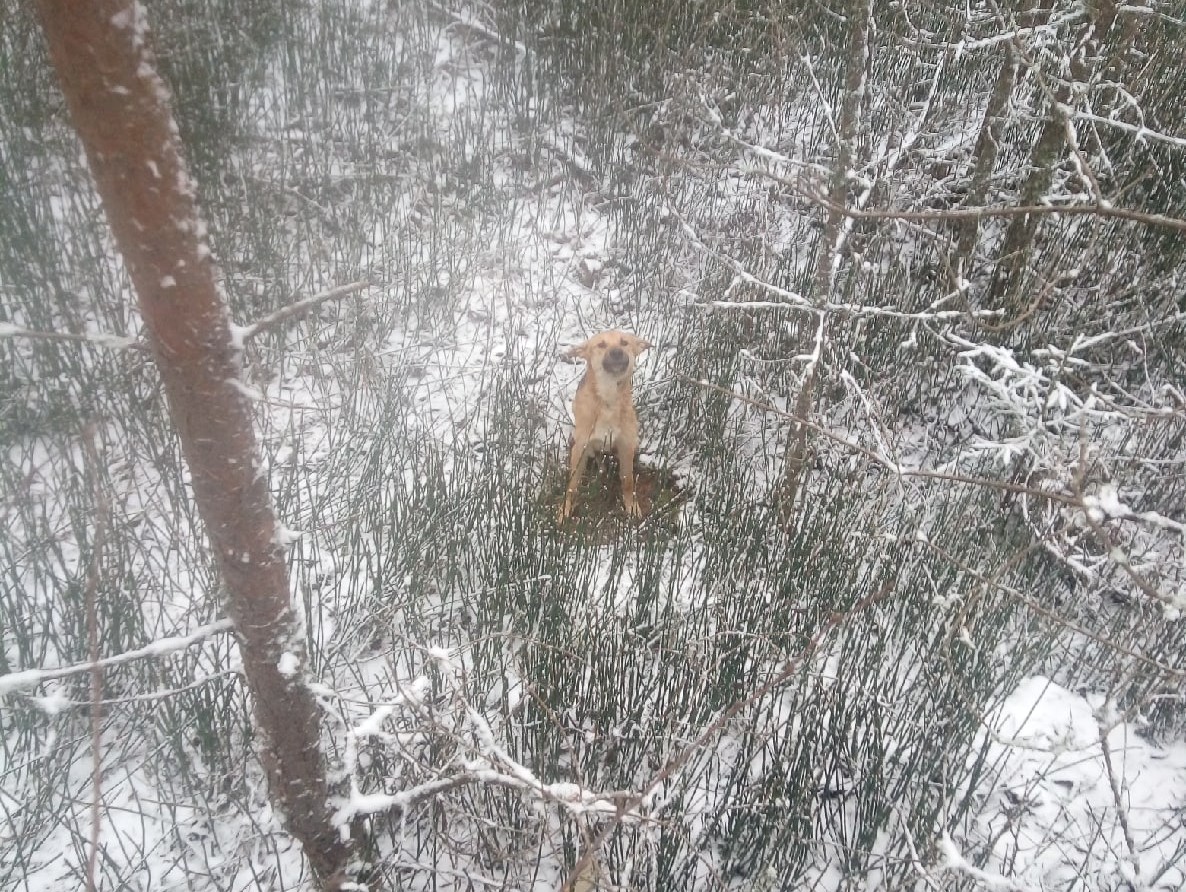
pixel 616 360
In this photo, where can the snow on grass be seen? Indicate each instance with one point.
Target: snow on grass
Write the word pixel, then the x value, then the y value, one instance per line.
pixel 494 303
pixel 1053 815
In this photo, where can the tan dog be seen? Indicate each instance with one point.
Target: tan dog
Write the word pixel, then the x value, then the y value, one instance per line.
pixel 604 412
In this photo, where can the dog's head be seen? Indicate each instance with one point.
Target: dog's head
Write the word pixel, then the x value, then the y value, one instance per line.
pixel 611 352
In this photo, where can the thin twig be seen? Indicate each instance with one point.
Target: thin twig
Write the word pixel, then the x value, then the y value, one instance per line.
pixel 91 596
pixel 1134 860
pixel 1070 210
pixel 247 332
pixel 110 341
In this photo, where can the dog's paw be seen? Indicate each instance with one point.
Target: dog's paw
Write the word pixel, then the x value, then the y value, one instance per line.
pixel 633 509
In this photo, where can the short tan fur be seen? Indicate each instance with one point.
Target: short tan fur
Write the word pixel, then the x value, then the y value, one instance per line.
pixel 603 412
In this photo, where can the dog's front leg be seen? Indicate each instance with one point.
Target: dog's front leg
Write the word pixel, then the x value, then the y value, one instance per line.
pixel 576 467
pixel 625 450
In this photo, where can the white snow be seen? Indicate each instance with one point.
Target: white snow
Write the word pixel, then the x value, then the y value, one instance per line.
pixel 238 333
pixel 252 393
pixel 289 664
pixel 285 536
pixel 1106 503
pixel 53 702
pixel 1054 794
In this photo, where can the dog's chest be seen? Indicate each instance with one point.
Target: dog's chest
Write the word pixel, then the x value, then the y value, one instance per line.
pixel 609 402
pixel 607 429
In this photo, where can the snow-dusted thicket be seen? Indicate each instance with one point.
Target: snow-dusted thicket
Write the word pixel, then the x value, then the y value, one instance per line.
pixel 948 656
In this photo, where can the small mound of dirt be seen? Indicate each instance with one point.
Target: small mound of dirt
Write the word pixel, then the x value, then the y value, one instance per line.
pixel 598 514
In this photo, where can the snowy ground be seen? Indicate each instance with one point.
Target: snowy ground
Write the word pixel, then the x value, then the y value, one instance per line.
pixel 1081 794
pixel 1067 805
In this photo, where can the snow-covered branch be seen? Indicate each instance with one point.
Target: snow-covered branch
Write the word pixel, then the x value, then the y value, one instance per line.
pixel 793 300
pixel 241 334
pixel 13 681
pixel 954 860
pixel 478 757
pixel 1139 132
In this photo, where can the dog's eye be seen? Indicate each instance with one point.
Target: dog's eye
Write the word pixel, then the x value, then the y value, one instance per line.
pixel 623 342
pixel 601 344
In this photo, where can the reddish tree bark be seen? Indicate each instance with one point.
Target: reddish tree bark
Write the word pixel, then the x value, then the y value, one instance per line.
pixel 120 108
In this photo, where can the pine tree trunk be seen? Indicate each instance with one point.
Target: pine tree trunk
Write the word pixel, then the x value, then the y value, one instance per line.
pixel 120 109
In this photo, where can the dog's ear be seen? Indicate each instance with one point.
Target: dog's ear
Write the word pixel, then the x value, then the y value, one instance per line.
pixel 640 344
pixel 580 351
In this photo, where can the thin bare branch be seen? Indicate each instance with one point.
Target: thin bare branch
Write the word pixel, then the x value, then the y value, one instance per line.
pixel 91 597
pixel 109 341
pixel 793 300
pixel 247 332
pixel 1114 784
pixel 939 216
